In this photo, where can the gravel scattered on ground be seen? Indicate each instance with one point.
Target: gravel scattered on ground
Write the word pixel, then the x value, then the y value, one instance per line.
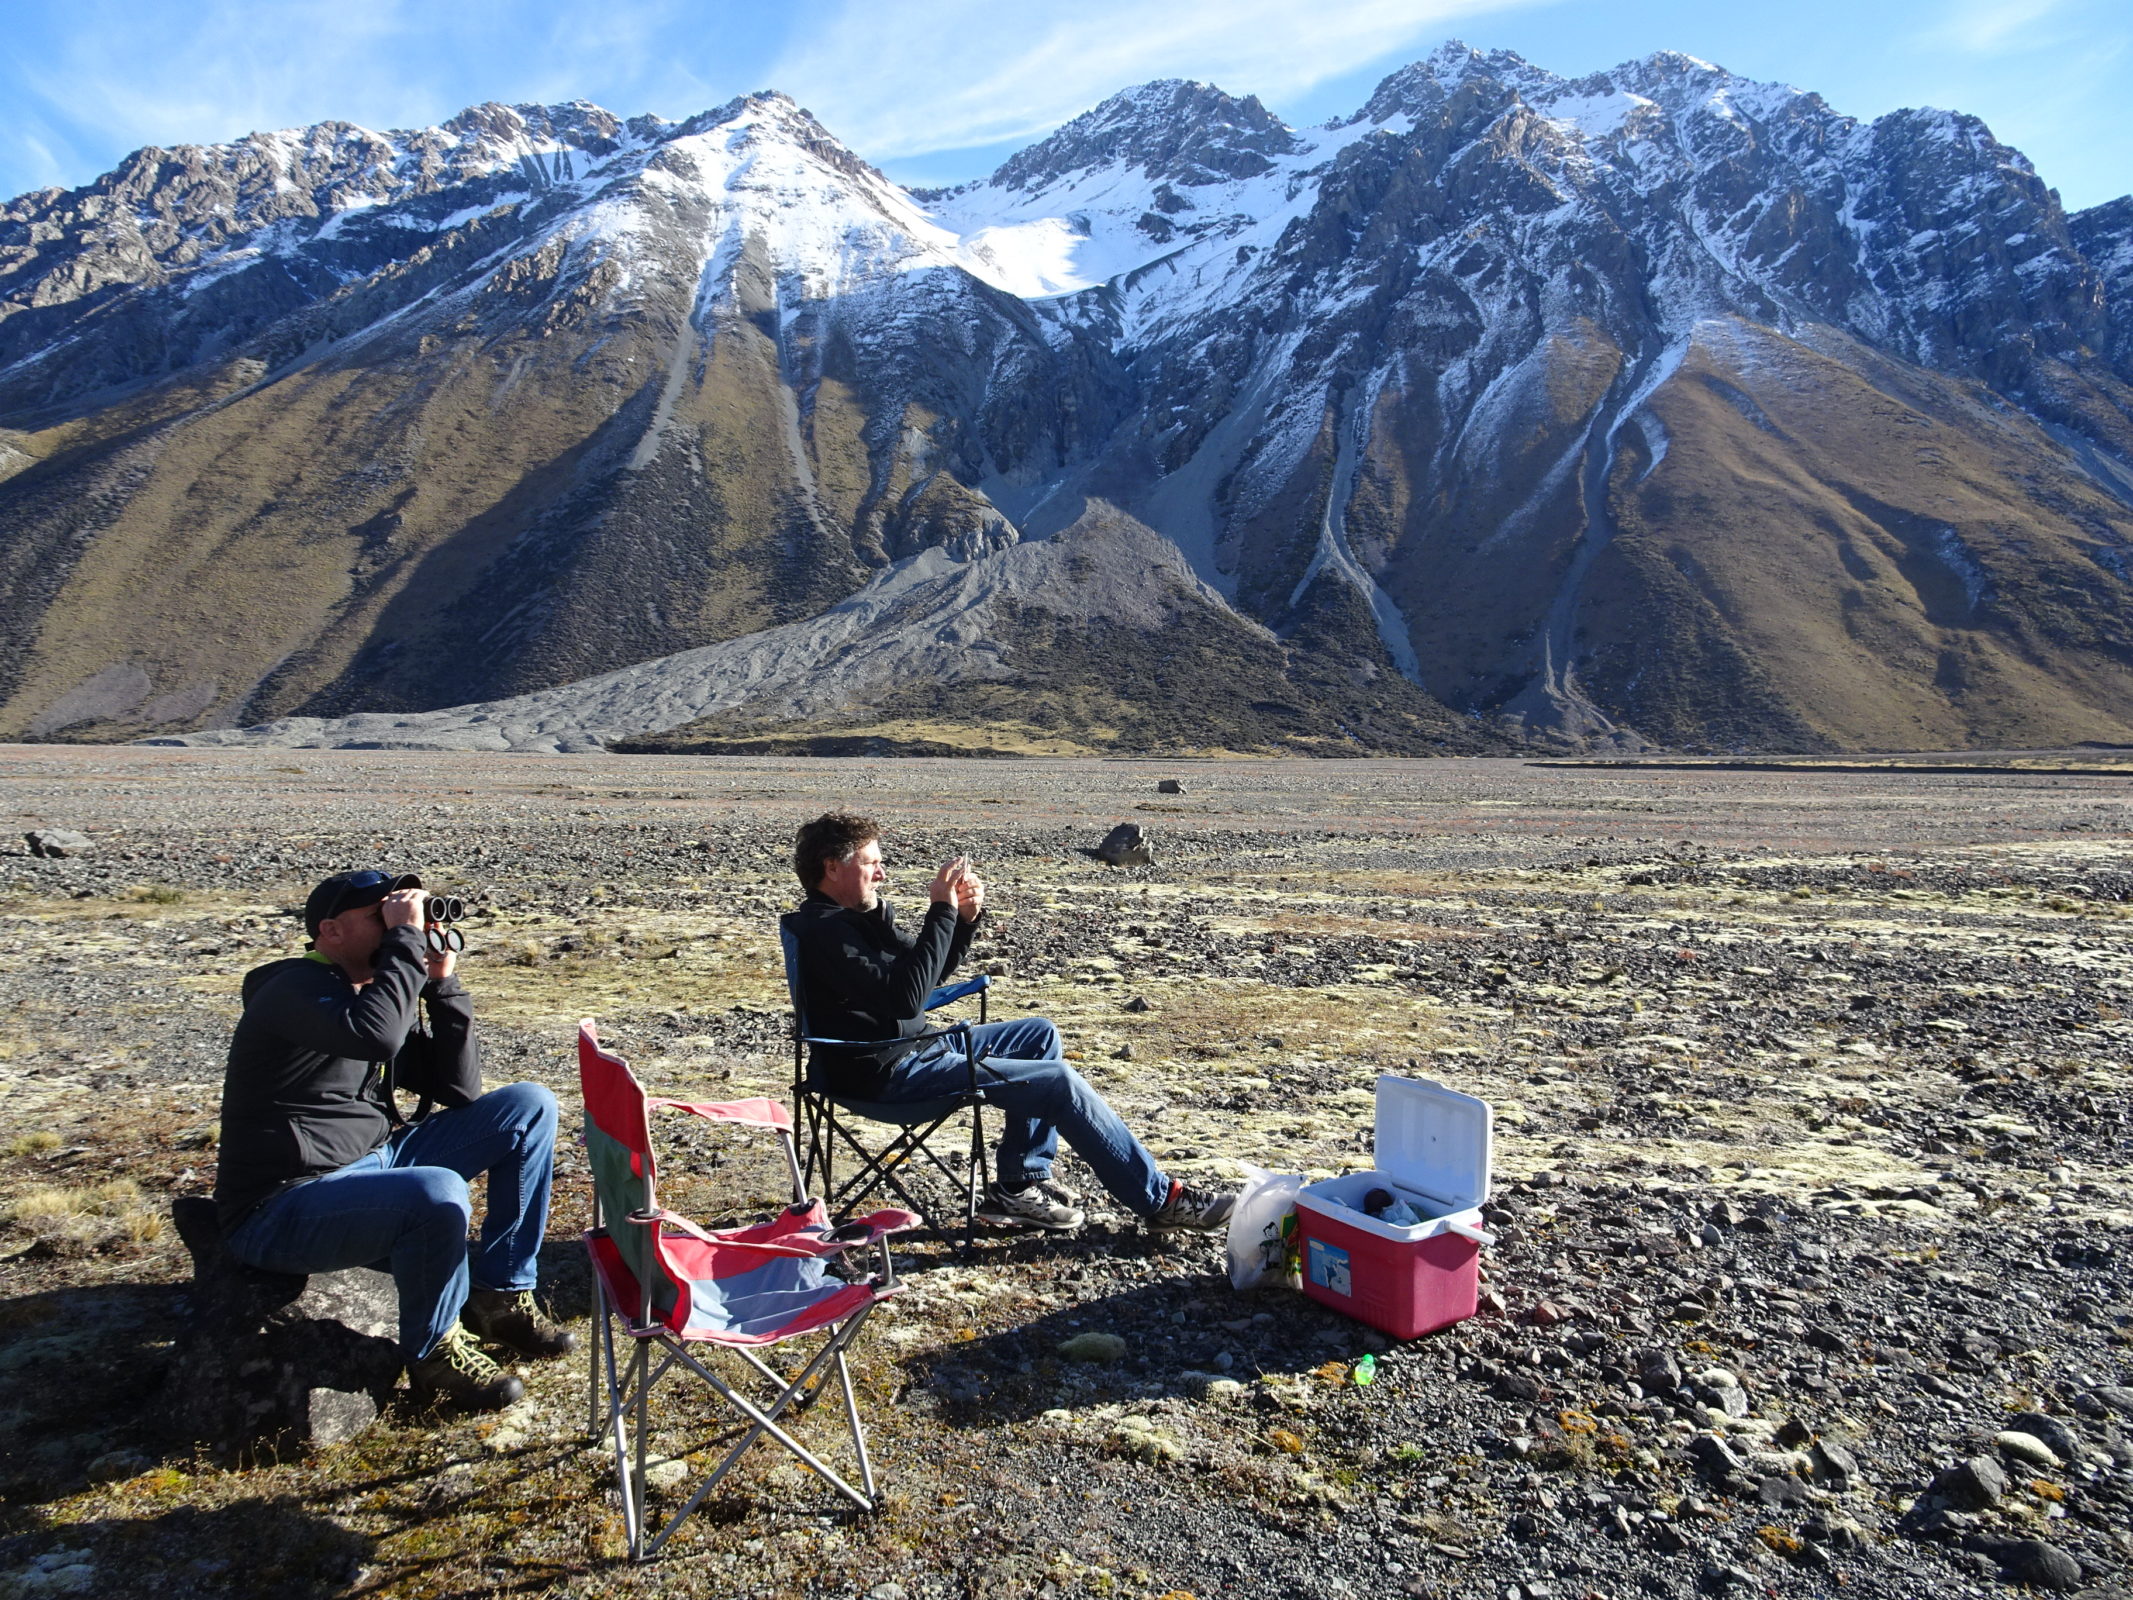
pixel 1812 1197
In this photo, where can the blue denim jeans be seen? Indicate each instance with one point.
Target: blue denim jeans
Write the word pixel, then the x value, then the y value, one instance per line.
pixel 1020 1071
pixel 406 1206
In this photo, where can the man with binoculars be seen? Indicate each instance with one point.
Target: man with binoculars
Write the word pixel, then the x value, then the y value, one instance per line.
pixel 320 1171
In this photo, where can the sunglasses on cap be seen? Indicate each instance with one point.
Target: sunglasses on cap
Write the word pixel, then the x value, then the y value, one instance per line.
pixel 350 890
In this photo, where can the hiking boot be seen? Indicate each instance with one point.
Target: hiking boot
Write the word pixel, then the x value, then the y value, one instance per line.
pixel 511 1318
pixel 1195 1209
pixel 1027 1208
pixel 458 1372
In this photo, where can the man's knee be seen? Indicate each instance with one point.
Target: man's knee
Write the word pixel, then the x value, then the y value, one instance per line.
pixel 1024 1039
pixel 525 1105
pixel 442 1201
pixel 1049 1085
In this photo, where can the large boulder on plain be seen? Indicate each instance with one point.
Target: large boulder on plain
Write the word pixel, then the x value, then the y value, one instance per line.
pixel 1126 846
pixel 58 843
pixel 268 1363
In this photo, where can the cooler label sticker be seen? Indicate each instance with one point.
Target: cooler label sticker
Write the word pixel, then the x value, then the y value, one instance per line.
pixel 1329 1268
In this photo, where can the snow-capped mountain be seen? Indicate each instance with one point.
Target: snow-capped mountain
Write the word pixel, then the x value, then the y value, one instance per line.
pixel 1655 405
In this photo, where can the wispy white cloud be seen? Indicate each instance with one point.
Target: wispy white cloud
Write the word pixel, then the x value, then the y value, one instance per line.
pixel 1986 27
pixel 213 70
pixel 948 74
pixel 35 156
pixel 220 69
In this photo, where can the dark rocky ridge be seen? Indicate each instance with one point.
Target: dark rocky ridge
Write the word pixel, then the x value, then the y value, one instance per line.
pixel 1172 130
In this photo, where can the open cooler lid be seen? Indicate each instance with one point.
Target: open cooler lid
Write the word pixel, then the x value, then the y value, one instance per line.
pixel 1434 1140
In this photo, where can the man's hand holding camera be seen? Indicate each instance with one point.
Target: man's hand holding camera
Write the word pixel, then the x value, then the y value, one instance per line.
pixel 958 884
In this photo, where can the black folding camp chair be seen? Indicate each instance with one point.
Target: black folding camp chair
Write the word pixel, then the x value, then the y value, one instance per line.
pixel 826 1119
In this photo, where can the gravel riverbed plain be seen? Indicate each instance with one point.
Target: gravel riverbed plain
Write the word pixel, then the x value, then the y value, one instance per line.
pixel 1811 1196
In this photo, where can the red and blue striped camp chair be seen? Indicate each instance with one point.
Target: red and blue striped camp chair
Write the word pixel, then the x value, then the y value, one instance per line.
pixel 667 1285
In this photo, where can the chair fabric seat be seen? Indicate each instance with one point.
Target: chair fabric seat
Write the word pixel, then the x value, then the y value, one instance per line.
pixel 901 1113
pixel 771 1299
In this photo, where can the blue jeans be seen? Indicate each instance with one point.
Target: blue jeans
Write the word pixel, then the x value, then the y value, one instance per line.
pixel 1020 1071
pixel 406 1205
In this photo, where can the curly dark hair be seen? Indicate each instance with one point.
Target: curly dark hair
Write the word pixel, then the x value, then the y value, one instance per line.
pixel 830 837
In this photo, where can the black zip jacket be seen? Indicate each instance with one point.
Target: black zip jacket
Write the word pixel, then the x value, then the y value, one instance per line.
pixel 862 977
pixel 314 1062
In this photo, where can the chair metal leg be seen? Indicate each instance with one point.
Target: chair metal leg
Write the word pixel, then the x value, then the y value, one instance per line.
pixel 851 1415
pixel 617 1403
pixel 829 1149
pixel 594 1414
pixel 809 1124
pixel 973 1178
pixel 643 1379
pixel 880 1169
pixel 764 1421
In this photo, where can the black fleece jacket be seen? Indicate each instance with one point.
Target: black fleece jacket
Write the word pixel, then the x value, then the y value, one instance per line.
pixel 862 977
pixel 314 1062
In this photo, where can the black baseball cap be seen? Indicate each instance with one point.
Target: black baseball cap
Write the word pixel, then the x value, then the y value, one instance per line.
pixel 349 891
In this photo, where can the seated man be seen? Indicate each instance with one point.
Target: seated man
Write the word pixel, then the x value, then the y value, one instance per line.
pixel 864 978
pixel 319 1171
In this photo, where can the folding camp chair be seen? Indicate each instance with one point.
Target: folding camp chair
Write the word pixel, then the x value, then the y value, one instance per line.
pixel 916 1122
pixel 669 1285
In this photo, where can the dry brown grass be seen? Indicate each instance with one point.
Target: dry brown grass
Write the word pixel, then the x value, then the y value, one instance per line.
pixel 75 1220
pixel 111 1198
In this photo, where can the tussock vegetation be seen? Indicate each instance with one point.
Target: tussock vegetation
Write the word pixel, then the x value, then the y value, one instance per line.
pixel 81 1221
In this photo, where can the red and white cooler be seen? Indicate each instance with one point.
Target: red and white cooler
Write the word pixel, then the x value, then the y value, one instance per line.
pixel 1432 1147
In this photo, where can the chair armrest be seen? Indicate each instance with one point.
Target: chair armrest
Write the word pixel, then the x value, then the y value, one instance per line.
pixel 663 1218
pixel 875 1225
pixel 758 1113
pixel 948 994
pixel 882 1044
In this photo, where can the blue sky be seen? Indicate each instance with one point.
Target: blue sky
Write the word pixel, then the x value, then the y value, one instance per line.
pixel 939 90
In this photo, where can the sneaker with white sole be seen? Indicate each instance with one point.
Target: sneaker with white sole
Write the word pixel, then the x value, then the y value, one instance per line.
pixel 1194 1209
pixel 1028 1208
pixel 1058 1191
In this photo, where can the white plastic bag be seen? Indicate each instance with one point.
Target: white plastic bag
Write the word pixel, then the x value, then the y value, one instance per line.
pixel 1260 1232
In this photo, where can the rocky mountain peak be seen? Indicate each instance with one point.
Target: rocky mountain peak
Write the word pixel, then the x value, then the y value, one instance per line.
pixel 1171 129
pixel 773 114
pixel 1421 88
pixel 171 207
pixel 576 123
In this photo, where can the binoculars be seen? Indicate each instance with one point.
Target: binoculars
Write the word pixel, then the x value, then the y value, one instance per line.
pixel 439 912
